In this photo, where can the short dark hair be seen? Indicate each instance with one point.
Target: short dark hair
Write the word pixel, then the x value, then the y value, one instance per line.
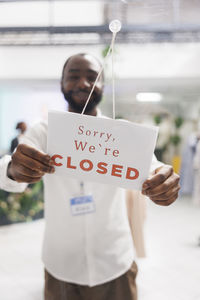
pixel 80 54
pixel 19 125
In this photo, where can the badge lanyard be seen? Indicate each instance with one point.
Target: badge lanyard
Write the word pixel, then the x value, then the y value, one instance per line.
pixel 82 188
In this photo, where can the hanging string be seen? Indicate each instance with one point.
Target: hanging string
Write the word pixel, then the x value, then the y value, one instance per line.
pixel 114 26
pixel 113 76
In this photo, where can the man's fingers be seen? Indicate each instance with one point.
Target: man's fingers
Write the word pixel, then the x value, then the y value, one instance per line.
pixel 171 182
pixel 23 170
pixel 163 187
pixel 161 175
pixel 23 178
pixel 168 202
pixel 166 196
pixel 30 163
pixel 35 154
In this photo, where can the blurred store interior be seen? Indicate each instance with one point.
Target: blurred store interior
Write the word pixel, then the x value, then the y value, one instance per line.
pixel 157 71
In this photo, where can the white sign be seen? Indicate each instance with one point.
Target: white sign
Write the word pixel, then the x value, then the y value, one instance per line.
pixel 104 150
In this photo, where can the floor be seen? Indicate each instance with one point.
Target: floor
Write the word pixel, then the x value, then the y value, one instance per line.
pixel 171 270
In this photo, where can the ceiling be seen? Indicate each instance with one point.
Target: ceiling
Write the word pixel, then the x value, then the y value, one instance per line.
pixel 57 22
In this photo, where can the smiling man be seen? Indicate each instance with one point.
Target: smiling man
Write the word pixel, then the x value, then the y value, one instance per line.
pixel 90 256
pixel 78 77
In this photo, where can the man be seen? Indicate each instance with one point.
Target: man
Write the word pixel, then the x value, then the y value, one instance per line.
pixel 91 256
pixel 21 126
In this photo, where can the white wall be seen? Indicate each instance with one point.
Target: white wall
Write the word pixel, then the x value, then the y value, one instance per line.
pixel 132 61
pixel 37 62
pixel 29 106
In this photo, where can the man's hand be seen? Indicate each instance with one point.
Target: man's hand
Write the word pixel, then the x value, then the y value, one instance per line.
pixel 163 186
pixel 29 165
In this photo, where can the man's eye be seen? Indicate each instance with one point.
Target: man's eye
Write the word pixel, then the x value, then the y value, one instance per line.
pixel 73 77
pixel 92 78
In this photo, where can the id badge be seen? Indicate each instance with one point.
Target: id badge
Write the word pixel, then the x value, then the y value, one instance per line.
pixel 81 205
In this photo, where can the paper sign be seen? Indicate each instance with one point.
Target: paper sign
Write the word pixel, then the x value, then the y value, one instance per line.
pixel 99 149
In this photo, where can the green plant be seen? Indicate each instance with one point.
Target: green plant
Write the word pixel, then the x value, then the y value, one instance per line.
pixel 178 122
pixel 157 119
pixel 175 139
pixel 27 206
pixel 119 117
pixel 105 51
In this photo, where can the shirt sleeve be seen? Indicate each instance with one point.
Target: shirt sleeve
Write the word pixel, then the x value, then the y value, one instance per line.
pixel 6 183
pixel 155 164
pixel 35 137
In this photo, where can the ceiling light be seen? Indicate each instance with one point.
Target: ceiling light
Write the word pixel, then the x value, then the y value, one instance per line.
pixel 148 97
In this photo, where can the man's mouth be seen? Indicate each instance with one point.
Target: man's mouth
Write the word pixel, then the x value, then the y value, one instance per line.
pixel 82 96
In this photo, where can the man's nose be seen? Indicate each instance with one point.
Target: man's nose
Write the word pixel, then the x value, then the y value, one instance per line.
pixel 83 83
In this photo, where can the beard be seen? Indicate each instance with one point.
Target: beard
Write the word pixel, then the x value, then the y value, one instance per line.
pixel 78 107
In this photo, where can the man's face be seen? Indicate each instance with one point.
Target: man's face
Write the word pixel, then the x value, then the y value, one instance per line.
pixel 79 76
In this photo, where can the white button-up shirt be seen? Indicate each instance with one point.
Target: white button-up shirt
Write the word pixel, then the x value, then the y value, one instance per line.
pixel 88 249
